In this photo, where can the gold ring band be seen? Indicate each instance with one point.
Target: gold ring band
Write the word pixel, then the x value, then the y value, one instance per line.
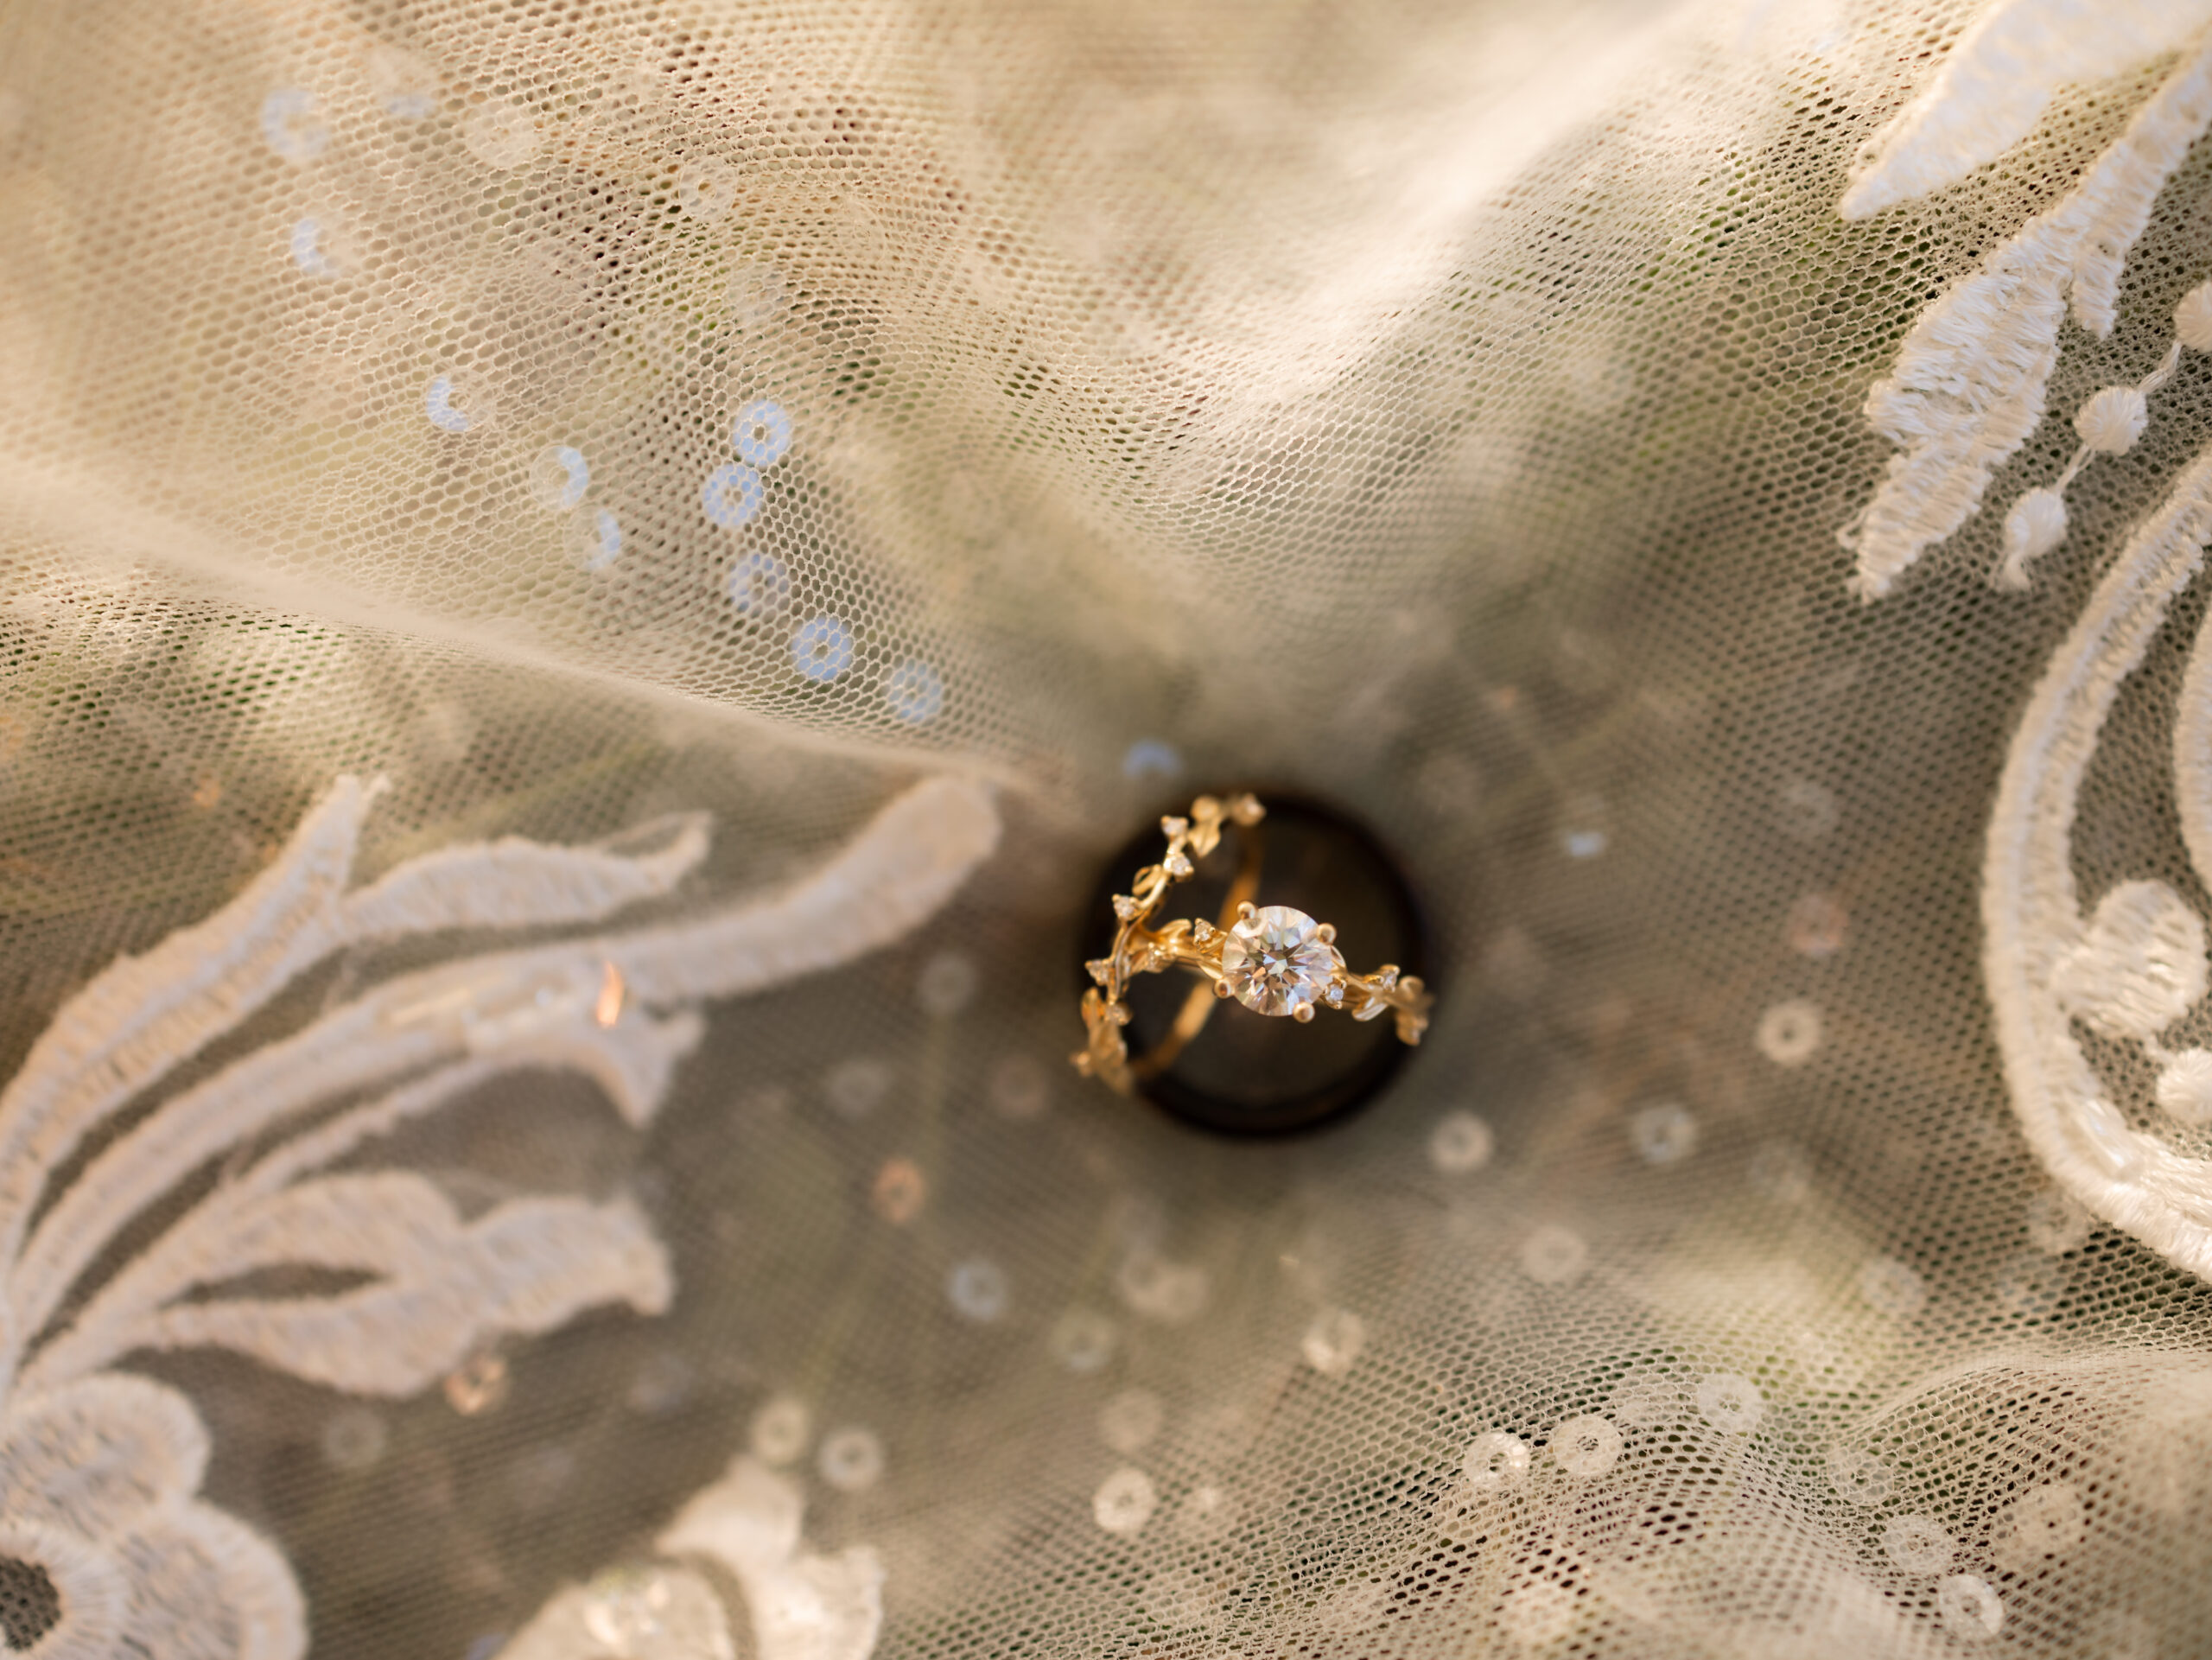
pixel 1272 959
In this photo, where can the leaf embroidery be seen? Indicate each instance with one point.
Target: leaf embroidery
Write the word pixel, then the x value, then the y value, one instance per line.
pixel 1968 386
pixel 1999 78
pixel 100 1469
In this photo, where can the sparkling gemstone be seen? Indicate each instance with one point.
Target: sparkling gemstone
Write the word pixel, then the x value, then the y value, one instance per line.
pixel 1273 961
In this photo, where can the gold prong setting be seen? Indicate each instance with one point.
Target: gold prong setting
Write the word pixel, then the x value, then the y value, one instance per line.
pixel 1272 959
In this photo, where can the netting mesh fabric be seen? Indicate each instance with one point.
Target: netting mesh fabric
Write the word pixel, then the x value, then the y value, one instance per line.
pixel 587 586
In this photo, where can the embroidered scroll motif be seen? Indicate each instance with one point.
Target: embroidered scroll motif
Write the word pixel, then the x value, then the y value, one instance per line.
pixel 100 1469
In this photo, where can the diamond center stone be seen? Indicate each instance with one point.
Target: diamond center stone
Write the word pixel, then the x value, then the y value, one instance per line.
pixel 1272 961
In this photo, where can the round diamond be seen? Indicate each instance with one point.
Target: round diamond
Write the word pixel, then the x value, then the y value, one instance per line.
pixel 1273 961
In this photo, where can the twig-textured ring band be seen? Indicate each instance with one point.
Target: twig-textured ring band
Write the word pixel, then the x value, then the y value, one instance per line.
pixel 1272 959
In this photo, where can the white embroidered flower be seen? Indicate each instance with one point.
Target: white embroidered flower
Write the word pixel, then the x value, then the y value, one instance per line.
pixel 2184 1088
pixel 2113 419
pixel 2139 965
pixel 2035 526
pixel 2193 318
pixel 99 1479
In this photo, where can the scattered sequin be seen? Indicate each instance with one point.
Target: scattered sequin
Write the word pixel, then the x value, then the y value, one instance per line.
pixel 308 251
pixel 851 1459
pixel 1857 1475
pixel 856 1088
pixel 759 585
pixel 780 1430
pixel 403 85
pixel 1184 1599
pixel 823 649
pixel 2044 1522
pixel 1553 1256
pixel 1918 1544
pixel 2058 1222
pixel 1817 926
pixel 1663 1133
pixel 1460 1142
pixel 705 188
pixel 2032 1284
pixel 757 295
pixel 1893 1286
pixel 1536 1611
pixel 1730 1402
pixel 288 125
pixel 1641 1402
pixel 1083 1339
pixel 448 409
pixel 478 1384
pixel 1170 1293
pixel 1207 1512
pixel 1150 758
pixel 1781 1171
pixel 1587 1446
pixel 1584 844
pixel 1019 1087
pixel 353 1438
pixel 601 539
pixel 898 1191
pixel 947 984
pixel 1332 1341
pixel 501 136
pixel 1124 1501
pixel 1807 810
pixel 978 1290
pixel 732 495
pixel 626 1608
pixel 2119 1634
pixel 1828 1366
pixel 914 692
pixel 1789 1033
pixel 559 478
pixel 1496 1460
pixel 762 433
pixel 1130 1420
pixel 1968 1607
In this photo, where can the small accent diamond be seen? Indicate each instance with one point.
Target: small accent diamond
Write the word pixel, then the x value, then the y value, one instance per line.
pixel 1177 863
pixel 1124 907
pixel 1201 931
pixel 1100 967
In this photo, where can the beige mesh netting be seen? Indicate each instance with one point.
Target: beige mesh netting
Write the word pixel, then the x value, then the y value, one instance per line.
pixel 586 588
